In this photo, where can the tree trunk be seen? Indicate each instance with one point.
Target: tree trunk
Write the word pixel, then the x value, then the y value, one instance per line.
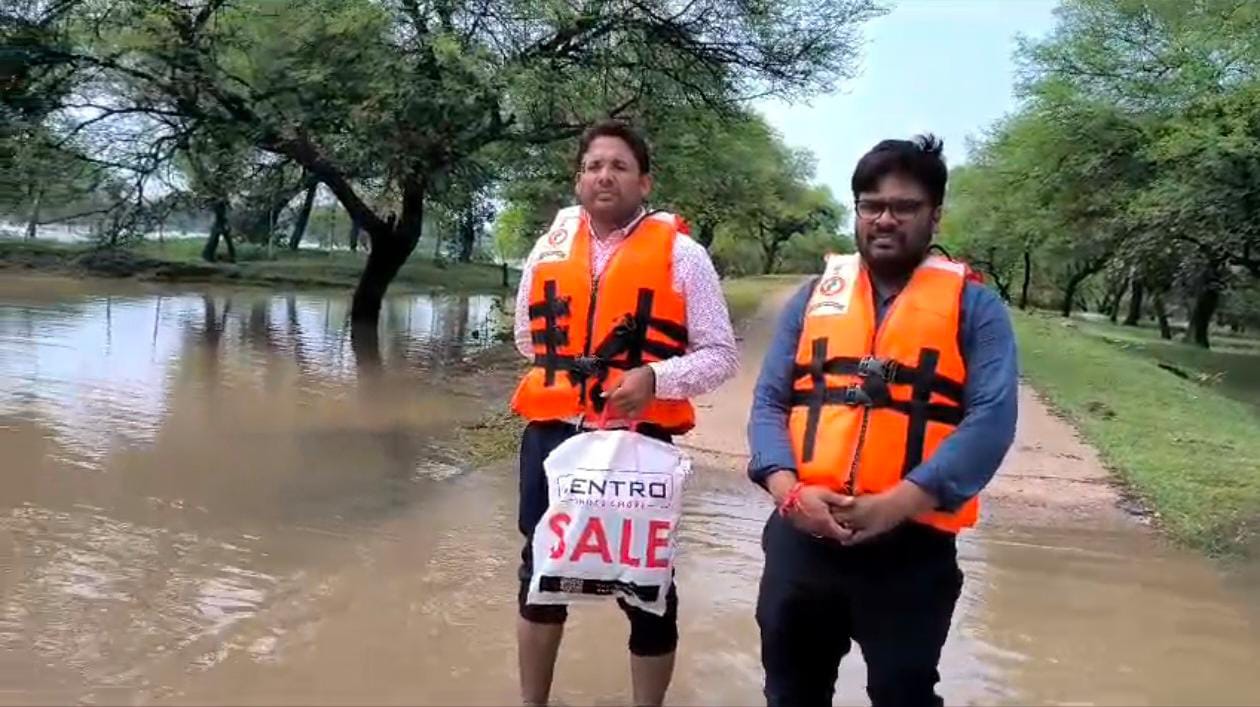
pixel 1023 291
pixel 330 241
pixel 1069 294
pixel 707 230
pixel 1165 329
pixel 771 257
pixel 355 228
pixel 391 246
pixel 467 238
pixel 770 250
pixel 1135 305
pixel 1114 312
pixel 227 239
pixel 1004 288
pixel 1201 314
pixel 303 216
pixel 217 229
pixel 32 224
pixel 383 263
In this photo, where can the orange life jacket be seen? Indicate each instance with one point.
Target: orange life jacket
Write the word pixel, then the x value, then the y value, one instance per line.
pixel 587 332
pixel 870 404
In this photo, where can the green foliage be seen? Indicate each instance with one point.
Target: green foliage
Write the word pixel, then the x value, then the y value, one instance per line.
pixel 745 194
pixel 513 233
pixel 734 255
pixel 1134 158
pixel 807 253
pixel 791 211
pixel 407 108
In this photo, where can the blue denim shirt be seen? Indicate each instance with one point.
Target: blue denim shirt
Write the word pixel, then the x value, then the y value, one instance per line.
pixel 967 459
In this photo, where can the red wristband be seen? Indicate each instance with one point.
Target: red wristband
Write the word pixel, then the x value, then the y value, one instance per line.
pixel 792 499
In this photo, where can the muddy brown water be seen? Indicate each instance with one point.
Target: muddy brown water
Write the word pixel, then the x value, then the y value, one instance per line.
pixel 207 497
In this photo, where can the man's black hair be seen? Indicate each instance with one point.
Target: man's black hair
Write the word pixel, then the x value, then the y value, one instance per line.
pixel 919 159
pixel 621 131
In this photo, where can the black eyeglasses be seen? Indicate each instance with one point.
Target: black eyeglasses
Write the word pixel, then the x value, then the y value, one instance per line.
pixel 901 209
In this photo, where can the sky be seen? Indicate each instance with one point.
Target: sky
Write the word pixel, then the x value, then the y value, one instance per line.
pixel 944 66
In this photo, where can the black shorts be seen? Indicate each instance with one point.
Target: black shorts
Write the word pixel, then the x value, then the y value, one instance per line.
pixel 650 635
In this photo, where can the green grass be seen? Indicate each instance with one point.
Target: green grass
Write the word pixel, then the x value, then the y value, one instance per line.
pixel 180 260
pixel 1231 366
pixel 496 436
pixel 1189 452
pixel 744 295
pixel 11 249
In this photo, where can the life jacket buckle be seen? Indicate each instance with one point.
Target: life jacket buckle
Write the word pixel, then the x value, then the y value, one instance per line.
pixel 626 327
pixel 871 366
pixel 589 366
pixel 856 395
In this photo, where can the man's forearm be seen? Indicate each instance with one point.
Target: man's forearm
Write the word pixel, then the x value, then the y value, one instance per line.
pixel 779 484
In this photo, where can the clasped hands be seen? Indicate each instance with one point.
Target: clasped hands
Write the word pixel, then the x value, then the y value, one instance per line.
pixel 849 520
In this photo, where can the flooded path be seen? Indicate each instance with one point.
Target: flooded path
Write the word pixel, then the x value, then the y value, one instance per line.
pixel 208 498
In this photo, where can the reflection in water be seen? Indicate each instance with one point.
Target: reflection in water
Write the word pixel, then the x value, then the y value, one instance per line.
pixel 206 501
pixel 100 370
pixel 174 461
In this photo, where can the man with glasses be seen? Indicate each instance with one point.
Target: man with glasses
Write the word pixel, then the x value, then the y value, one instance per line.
pixel 885 404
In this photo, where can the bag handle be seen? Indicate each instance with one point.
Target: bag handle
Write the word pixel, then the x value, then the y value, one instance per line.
pixel 634 427
pixel 604 419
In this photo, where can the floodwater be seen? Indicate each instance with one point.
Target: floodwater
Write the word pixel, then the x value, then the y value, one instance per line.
pixel 208 497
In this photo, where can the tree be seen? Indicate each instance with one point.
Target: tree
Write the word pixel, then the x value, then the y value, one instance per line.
pixel 798 211
pixel 464 208
pixel 419 88
pixel 987 223
pixel 309 188
pixel 712 165
pixel 807 253
pixel 1187 73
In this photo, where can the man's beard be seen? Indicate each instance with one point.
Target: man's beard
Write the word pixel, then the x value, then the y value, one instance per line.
pixel 902 264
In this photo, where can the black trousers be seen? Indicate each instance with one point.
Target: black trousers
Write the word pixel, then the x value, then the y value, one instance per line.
pixel 650 635
pixel 894 596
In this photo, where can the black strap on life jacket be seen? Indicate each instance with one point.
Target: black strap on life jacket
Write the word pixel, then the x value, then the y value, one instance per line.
pixel 875 375
pixel 553 334
pixel 622 348
pixel 888 371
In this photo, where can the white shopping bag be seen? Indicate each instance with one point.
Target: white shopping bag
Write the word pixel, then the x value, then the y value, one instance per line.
pixel 611 525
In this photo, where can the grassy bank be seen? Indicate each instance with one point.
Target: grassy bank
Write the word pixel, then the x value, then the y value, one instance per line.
pixel 1189 452
pixel 180 261
pixel 745 294
pixel 1231 366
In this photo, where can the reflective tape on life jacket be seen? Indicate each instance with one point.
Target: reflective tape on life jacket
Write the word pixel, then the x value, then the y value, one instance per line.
pixel 587 332
pixel 869 404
